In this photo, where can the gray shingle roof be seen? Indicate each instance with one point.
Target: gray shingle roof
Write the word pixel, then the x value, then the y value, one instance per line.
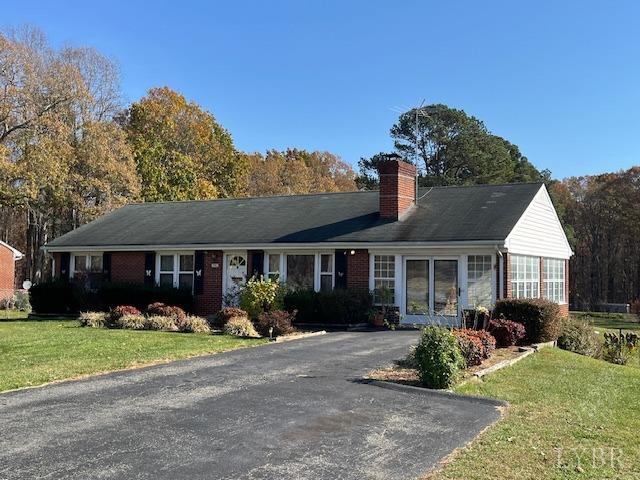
pixel 443 214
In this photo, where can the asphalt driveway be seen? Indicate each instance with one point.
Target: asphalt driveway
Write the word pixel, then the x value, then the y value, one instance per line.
pixel 282 411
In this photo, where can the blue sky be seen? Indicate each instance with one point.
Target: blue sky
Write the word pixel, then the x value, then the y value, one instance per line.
pixel 559 79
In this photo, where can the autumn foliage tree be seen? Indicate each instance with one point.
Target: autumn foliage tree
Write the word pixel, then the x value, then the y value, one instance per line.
pixel 181 152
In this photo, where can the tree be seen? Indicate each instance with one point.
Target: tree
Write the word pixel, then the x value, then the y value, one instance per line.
pixel 450 147
pixel 181 152
pixel 296 171
pixel 62 160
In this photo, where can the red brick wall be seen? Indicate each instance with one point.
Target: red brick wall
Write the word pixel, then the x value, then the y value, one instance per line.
pixel 358 270
pixel 507 275
pixel 210 302
pixel 7 273
pixel 397 188
pixel 127 267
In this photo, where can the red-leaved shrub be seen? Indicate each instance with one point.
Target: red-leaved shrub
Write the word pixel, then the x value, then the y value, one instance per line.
pixel 280 320
pixel 506 332
pixel 159 308
pixel 488 342
pixel 475 345
pixel 229 313
pixel 122 310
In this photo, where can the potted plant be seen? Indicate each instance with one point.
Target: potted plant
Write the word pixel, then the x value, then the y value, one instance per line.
pixel 384 296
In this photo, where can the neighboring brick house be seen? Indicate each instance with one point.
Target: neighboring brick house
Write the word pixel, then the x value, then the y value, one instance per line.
pixel 437 250
pixel 8 258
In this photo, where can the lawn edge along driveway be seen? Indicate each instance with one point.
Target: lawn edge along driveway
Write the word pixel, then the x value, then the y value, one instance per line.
pixel 38 353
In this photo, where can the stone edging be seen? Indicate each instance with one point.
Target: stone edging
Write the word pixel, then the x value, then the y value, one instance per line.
pixel 436 393
pixel 536 347
pixel 288 338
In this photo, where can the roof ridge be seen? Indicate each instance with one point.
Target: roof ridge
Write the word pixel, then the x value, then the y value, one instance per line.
pixel 204 200
pixel 507 184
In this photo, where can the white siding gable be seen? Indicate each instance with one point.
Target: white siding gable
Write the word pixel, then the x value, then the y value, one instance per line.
pixel 539 231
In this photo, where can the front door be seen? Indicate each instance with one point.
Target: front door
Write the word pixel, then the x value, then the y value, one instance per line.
pixel 431 290
pixel 236 270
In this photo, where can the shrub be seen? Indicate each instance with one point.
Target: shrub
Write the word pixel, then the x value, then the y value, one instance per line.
pixel 131 321
pixel 280 320
pixel 159 308
pixel 619 348
pixel 21 301
pixel 261 295
pixel 160 322
pixel 193 324
pixel 438 357
pixel 488 342
pixel 94 319
pixel 506 332
pixel 579 337
pixel 123 310
pixel 56 296
pixel 635 307
pixel 112 294
pixel 475 345
pixel 340 306
pixel 541 318
pixel 470 347
pixel 229 313
pixel 240 327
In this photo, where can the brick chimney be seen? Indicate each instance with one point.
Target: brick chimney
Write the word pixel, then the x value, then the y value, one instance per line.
pixel 397 187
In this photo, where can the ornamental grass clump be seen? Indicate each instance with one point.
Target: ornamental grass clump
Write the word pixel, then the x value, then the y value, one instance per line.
pixel 240 327
pixel 131 321
pixel 94 319
pixel 194 324
pixel 160 322
pixel 438 357
pixel 619 348
pixel 122 310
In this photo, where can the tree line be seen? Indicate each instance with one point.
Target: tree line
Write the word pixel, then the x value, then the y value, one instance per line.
pixel 71 149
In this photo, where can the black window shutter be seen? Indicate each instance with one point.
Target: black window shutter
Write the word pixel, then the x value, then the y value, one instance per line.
pixel 341 269
pixel 65 261
pixel 198 273
pixel 257 263
pixel 106 267
pixel 149 268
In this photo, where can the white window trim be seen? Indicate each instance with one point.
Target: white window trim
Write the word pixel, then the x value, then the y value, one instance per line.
pixel 316 265
pixel 467 303
pixel 176 267
pixel 397 278
pixel 72 261
pixel 555 280
pixel 536 281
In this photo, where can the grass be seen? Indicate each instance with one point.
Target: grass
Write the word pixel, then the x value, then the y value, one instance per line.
pixel 37 352
pixel 13 315
pixel 609 321
pixel 568 414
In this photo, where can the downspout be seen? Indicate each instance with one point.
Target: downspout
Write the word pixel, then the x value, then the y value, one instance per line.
pixel 500 274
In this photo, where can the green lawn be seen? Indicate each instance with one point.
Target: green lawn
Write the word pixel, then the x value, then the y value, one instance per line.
pixel 562 406
pixel 13 315
pixel 36 352
pixel 609 321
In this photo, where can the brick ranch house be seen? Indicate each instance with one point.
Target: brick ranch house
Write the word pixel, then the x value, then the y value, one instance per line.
pixel 8 258
pixel 437 250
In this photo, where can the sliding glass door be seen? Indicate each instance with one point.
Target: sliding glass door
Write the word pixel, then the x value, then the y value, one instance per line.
pixel 431 290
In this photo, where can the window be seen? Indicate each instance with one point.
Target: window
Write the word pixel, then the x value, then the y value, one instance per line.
pixel 525 276
pixel 88 268
pixel 326 272
pixel 273 270
pixel 553 274
pixel 480 273
pixel 300 271
pixel 384 279
pixel 175 270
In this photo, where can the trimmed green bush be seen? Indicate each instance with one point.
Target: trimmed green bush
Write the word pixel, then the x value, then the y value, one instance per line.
pixel 54 296
pixel 240 327
pixel 541 318
pixel 579 337
pixel 438 357
pixel 340 306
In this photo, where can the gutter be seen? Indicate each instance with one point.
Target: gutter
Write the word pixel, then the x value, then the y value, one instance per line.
pixel 272 246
